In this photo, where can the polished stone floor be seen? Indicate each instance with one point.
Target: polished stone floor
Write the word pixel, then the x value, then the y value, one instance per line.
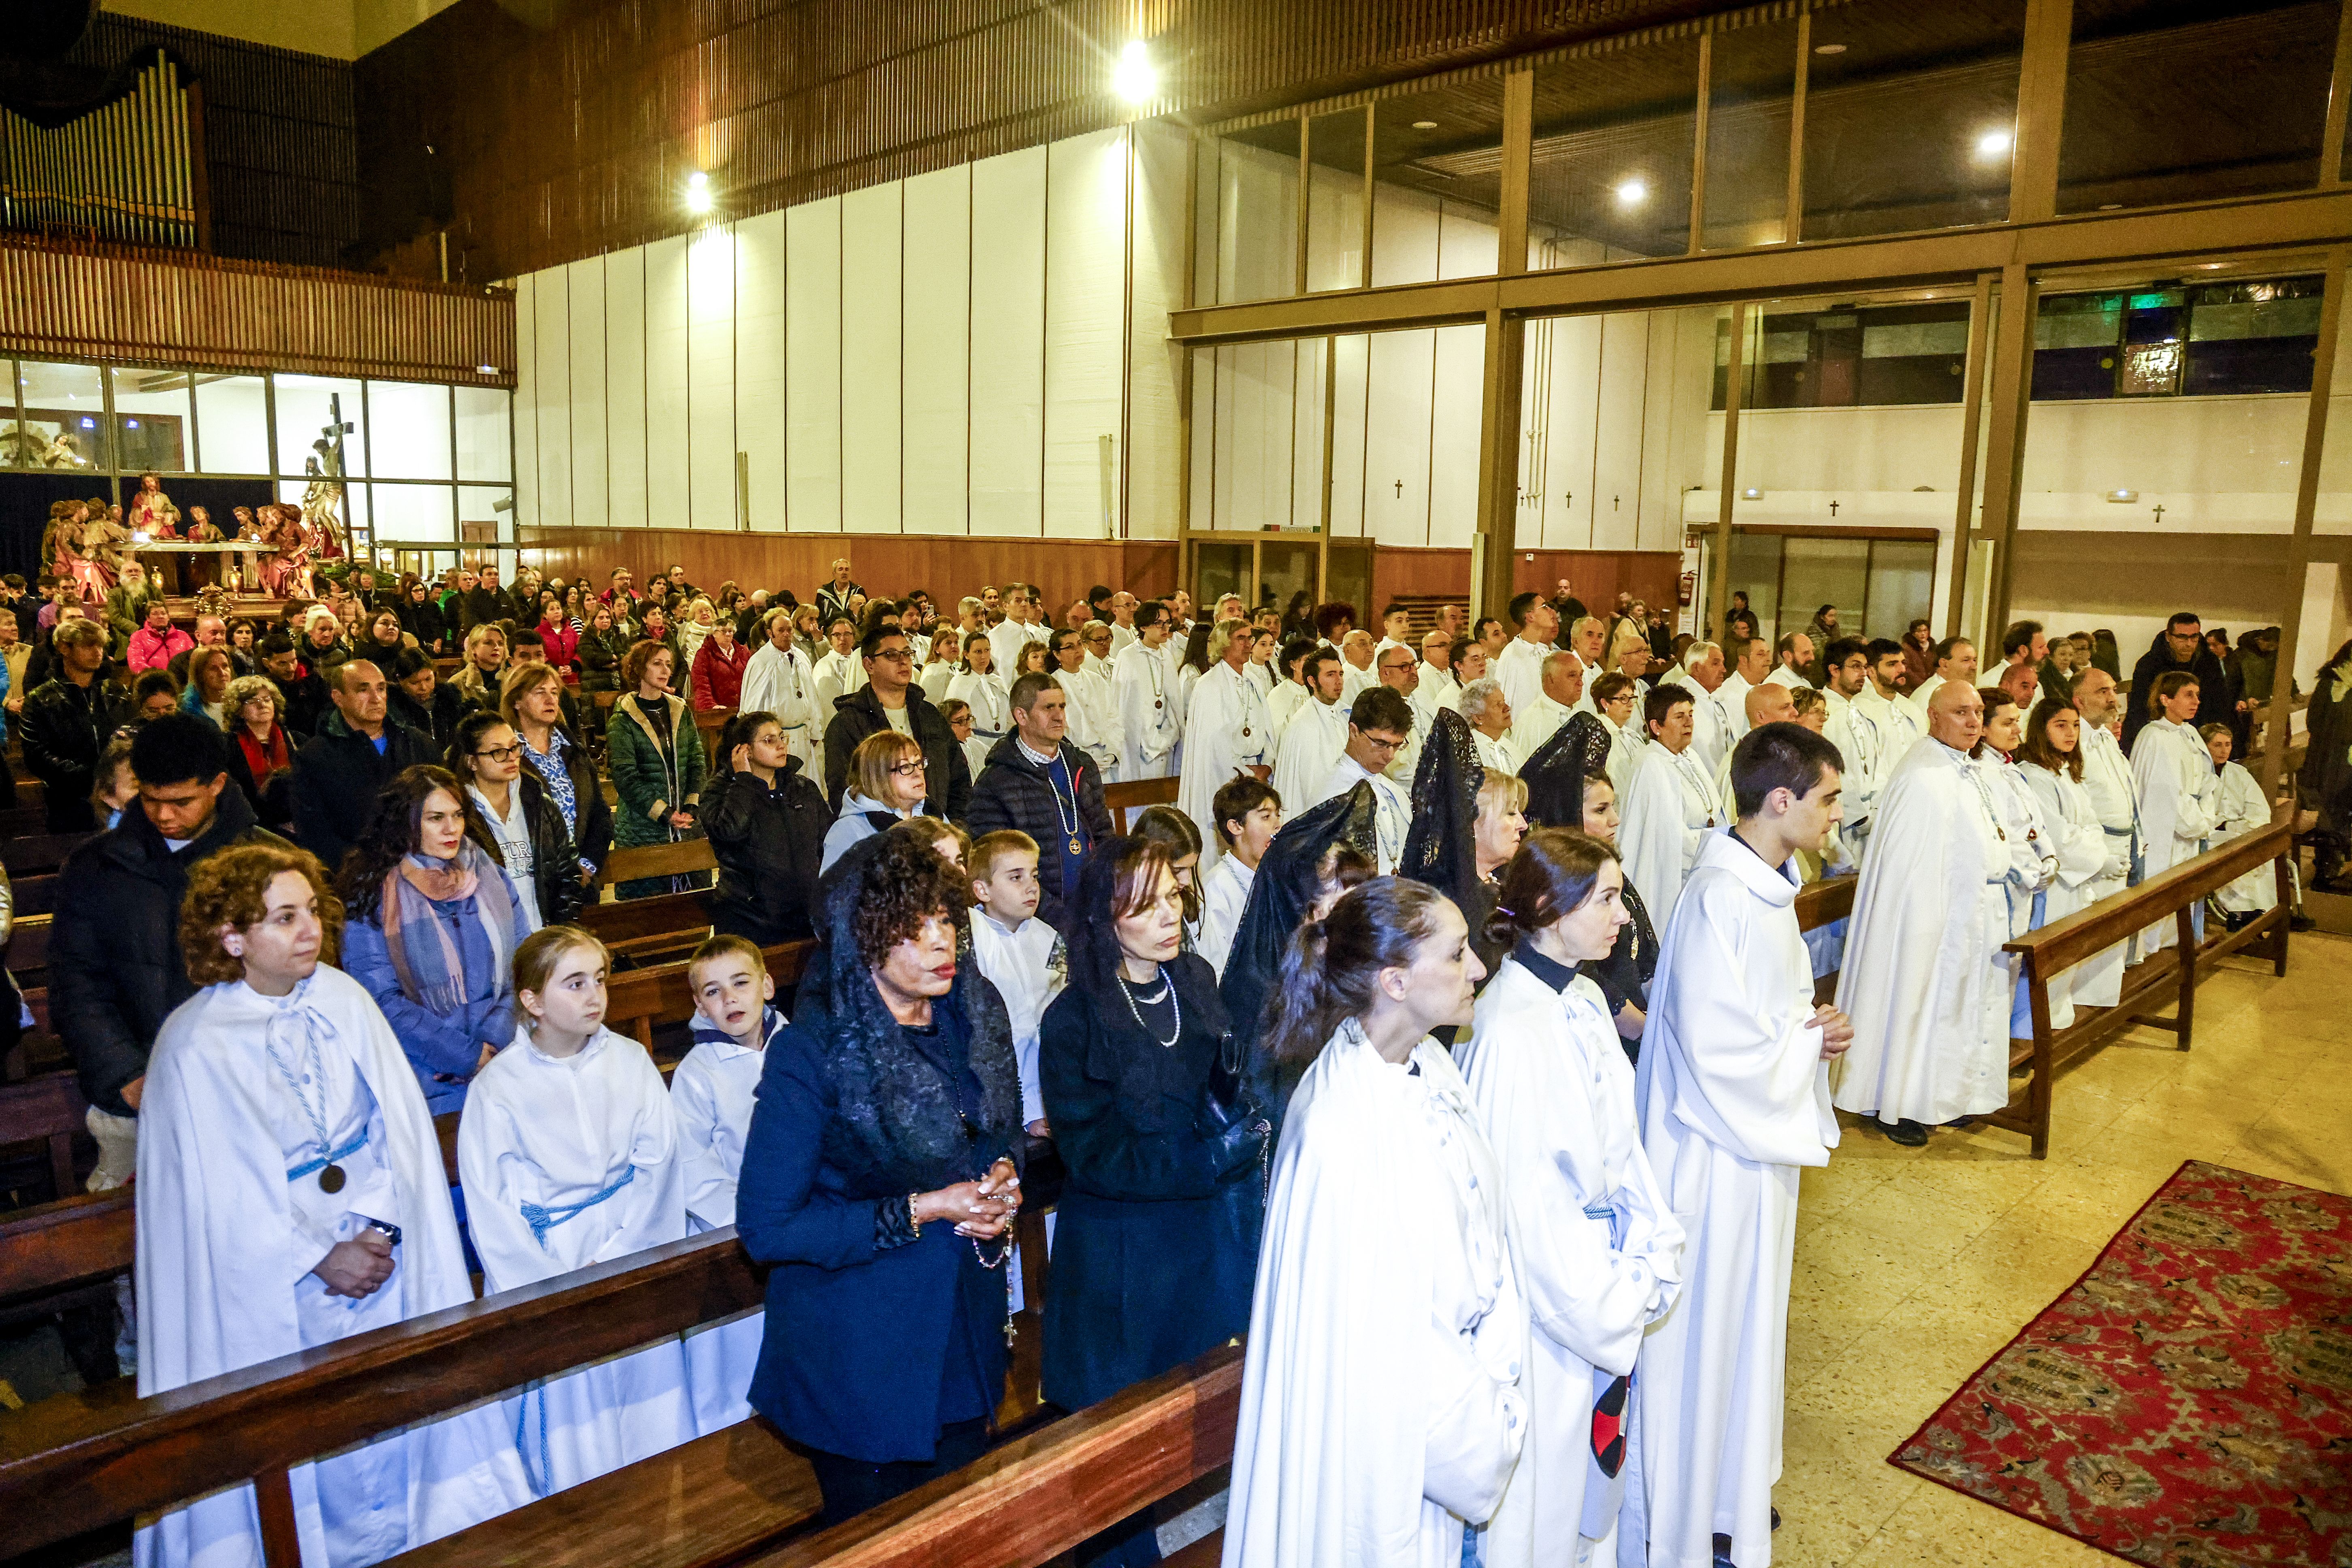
pixel 1913 1268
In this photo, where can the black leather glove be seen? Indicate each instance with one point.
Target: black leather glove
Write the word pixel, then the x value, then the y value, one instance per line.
pixel 1239 1145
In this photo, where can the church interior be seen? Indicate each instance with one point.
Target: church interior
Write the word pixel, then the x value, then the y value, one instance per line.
pixel 1963 316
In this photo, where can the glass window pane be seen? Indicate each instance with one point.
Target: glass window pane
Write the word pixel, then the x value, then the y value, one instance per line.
pixel 489 507
pixel 232 425
pixel 1910 114
pixel 1437 164
pixel 1613 138
pixel 337 507
pixel 485 433
pixel 2253 337
pixel 1751 81
pixel 65 411
pixel 307 406
pixel 17 448
pixel 2179 101
pixel 1902 588
pixel 1335 200
pixel 408 430
pixel 419 514
pixel 1249 185
pixel 151 421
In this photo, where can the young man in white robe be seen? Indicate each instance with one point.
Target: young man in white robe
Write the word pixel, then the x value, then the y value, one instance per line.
pixel 2172 775
pixel 1519 666
pixel 1379 724
pixel 1875 731
pixel 712 1090
pixel 568 1155
pixel 837 674
pixel 1316 736
pixel 1094 726
pixel 779 679
pixel 1230 734
pixel 1734 1102
pixel 1562 693
pixel 291 1194
pixel 1144 686
pixel 1671 807
pixel 1923 978
pixel 2097 982
pixel 1748 672
pixel 1248 812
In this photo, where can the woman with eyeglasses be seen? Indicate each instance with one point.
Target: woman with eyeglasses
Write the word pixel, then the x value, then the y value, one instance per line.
pixel 888 783
pixel 524 829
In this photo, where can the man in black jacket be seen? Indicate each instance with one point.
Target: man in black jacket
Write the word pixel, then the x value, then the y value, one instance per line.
pixel 2181 646
pixel 485 601
pixel 357 751
pixel 769 837
pixel 114 953
pixel 65 724
pixel 301 694
pixel 890 689
pixel 1037 782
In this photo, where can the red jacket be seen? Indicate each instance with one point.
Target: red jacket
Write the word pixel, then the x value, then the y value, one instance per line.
pixel 149 651
pixel 563 643
pixel 718 677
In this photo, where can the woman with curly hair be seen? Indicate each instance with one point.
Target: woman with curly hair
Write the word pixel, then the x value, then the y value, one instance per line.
pixel 291 1195
pixel 654 754
pixel 879 1183
pixel 435 921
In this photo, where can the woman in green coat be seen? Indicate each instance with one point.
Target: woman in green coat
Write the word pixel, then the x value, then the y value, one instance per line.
pixel 653 754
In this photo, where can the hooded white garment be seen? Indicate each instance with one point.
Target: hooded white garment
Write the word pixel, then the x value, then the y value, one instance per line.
pixel 2173 774
pixel 991 714
pixel 1536 723
pixel 1310 745
pixel 1144 685
pixel 1597 1250
pixel 1499 756
pixel 1872 734
pixel 2084 854
pixel 2097 980
pixel 1731 699
pixel 1627 746
pixel 1019 964
pixel 1923 978
pixel 1519 670
pixel 1671 807
pixel 781 681
pixel 1392 806
pixel 1223 895
pixel 1093 715
pixel 1226 730
pixel 540 1137
pixel 1733 1101
pixel 1711 735
pixel 2032 862
pixel 2238 809
pixel 231 1222
pixel 1282 703
pixel 1379 1409
pixel 836 675
pixel 711 1093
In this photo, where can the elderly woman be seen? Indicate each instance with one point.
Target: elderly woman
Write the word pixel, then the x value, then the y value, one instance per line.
pixel 879 1184
pixel 886 784
pixel 260 748
pixel 718 666
pixel 1487 711
pixel 525 831
pixel 695 623
pixel 486 661
pixel 553 753
pixel 555 633
pixel 211 672
pixel 654 754
pixel 433 921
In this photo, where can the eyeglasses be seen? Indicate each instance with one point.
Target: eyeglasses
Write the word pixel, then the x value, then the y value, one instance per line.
pixel 903 655
pixel 1385 748
pixel 907 770
pixel 500 753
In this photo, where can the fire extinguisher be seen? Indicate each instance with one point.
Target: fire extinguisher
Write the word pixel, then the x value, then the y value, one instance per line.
pixel 1687 589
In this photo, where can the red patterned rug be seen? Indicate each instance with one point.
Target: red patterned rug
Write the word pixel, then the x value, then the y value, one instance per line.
pixel 2188 1403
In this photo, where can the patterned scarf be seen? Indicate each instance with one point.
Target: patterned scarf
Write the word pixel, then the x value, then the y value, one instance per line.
pixel 433 973
pixel 555 772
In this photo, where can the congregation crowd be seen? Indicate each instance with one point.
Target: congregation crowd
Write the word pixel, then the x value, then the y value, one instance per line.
pixel 1451 1034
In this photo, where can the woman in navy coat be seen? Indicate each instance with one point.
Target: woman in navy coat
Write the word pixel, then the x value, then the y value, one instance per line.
pixel 1153 1260
pixel 879 1183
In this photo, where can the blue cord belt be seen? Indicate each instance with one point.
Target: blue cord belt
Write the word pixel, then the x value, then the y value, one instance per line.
pixel 541 1220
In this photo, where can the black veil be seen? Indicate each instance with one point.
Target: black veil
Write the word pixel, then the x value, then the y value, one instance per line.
pixel 1441 848
pixel 1555 775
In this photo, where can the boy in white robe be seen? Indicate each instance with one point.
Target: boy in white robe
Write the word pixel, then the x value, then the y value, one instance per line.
pixel 1734 1101
pixel 1248 813
pixel 291 1194
pixel 1015 950
pixel 711 1093
pixel 2173 775
pixel 568 1152
pixel 1227 733
pixel 2238 809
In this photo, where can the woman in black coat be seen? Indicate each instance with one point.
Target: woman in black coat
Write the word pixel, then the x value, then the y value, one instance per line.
pixel 420 617
pixel 766 819
pixel 880 1185
pixel 1153 1258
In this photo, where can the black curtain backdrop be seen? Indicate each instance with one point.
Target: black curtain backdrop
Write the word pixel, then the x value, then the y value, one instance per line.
pixel 25 500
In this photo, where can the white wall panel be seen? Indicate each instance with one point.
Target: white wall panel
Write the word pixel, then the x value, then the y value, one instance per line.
pixel 760 364
pixel 1207 375
pixel 1404 236
pixel 1348 454
pixel 625 387
pixel 1310 366
pixel 669 389
pixel 526 401
pixel 1396 425
pixel 1086 332
pixel 1008 335
pixel 1258 395
pixel 1575 391
pixel 552 336
pixel 1460 395
pixel 813 366
pixel 1155 435
pixel 871 300
pixel 1466 238
pixel 710 367
pixel 1257 222
pixel 585 281
pixel 1617 441
pixel 935 353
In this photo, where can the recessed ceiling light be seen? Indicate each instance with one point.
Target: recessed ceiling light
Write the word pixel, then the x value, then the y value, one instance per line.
pixel 1424 125
pixel 1829 48
pixel 1135 78
pixel 1632 192
pixel 1992 143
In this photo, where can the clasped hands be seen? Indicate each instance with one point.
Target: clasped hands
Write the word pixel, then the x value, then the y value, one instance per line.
pixel 357 1268
pixel 982 1209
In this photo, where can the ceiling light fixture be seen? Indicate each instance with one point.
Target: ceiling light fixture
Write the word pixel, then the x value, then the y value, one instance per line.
pixel 1829 48
pixel 1134 80
pixel 1751 493
pixel 1993 143
pixel 1632 192
pixel 1424 125
pixel 698 199
pixel 2123 498
pixel 487 369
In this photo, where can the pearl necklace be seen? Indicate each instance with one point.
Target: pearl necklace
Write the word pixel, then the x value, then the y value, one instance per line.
pixel 1174 1002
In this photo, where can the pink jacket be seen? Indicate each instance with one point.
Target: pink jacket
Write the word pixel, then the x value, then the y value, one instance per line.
pixel 150 651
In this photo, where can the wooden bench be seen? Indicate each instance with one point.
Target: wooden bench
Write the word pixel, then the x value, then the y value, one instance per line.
pixel 638 1001
pixel 645 861
pixel 636 926
pixel 47 1109
pixel 1122 798
pixel 27 854
pixel 35 895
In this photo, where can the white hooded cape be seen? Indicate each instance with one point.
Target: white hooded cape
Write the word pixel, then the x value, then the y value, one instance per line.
pixel 1226 728
pixel 2173 772
pixel 1310 747
pixel 1668 811
pixel 781 681
pixel 2085 855
pixel 711 1094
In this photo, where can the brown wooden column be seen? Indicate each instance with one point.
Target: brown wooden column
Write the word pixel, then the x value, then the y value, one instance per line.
pixel 1506 336
pixel 1718 588
pixel 2009 397
pixel 2306 502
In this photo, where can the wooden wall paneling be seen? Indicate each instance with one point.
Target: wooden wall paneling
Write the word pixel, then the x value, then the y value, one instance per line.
pixel 1008 344
pixel 873 243
pixel 935 390
pixel 760 365
pixel 1352 355
pixel 551 331
pixel 1086 325
pixel 669 431
pixel 1154 439
pixel 626 408
pixel 1397 434
pixel 1458 395
pixel 584 283
pixel 1617 441
pixel 526 403
pixel 710 378
pixel 813 367
pixel 1597 576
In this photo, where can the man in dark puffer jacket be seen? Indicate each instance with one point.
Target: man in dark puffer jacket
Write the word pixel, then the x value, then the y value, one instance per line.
pixel 1037 782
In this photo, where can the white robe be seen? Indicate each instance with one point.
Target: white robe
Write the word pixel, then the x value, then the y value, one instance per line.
pixel 1368 1449
pixel 1226 732
pixel 1018 963
pixel 1873 734
pixel 711 1093
pixel 2097 980
pixel 554 1132
pixel 1733 1100
pixel 1711 735
pixel 1223 896
pixel 1008 638
pixel 1539 721
pixel 227 1240
pixel 1497 756
pixel 1923 978
pixel 1282 703
pixel 2032 862
pixel 1317 735
pixel 1918 699
pixel 1732 697
pixel 1519 670
pixel 2238 809
pixel 1555 1097
pixel 2173 774
pixel 1356 678
pixel 1391 807
pixel 2085 855
pixel 991 714
pixel 1670 808
pixel 781 682
pixel 1094 726
pixel 935 678
pixel 837 676
pixel 1149 725
pixel 1782 675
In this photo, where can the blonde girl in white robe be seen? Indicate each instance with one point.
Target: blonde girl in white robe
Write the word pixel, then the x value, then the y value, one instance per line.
pixel 568 1152
pixel 1371 1448
pixel 2174 775
pixel 978 686
pixel 1596 1246
pixel 2238 809
pixel 2050 761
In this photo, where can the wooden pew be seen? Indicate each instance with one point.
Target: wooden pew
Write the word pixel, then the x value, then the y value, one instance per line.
pixel 636 926
pixel 47 1109
pixel 29 853
pixel 638 1001
pixel 680 860
pixel 2172 973
pixel 1122 798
